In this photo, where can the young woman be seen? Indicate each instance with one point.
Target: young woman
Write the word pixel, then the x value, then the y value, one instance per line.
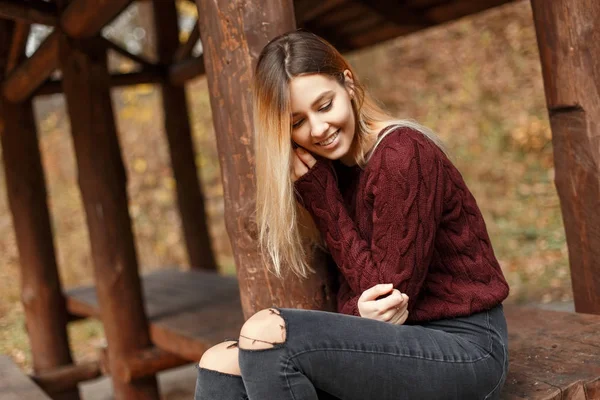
pixel 419 300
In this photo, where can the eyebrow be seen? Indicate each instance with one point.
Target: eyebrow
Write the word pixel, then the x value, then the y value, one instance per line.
pixel 317 100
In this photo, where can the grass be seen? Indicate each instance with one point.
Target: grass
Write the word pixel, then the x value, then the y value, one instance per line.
pixel 477 82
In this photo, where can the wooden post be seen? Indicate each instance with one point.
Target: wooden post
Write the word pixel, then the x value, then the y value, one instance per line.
pixel 102 181
pixel 41 292
pixel 568 33
pixel 234 33
pixel 179 134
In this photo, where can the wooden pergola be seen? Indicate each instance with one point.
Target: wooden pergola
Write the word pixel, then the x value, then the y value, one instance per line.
pixel 168 318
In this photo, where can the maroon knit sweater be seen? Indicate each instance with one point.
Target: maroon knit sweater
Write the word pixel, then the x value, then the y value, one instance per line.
pixel 407 218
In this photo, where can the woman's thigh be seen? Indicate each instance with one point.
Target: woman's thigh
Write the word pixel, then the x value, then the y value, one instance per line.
pixel 358 358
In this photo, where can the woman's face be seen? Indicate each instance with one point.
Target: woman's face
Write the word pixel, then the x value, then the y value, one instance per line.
pixel 322 118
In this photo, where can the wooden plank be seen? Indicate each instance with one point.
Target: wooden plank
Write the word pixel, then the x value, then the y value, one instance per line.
pixel 552 354
pixel 81 18
pixel 102 181
pixel 234 34
pixel 30 12
pixel 15 385
pixel 190 199
pixel 568 34
pixel 188 311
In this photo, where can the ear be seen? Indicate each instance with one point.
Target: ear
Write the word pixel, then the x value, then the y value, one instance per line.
pixel 349 82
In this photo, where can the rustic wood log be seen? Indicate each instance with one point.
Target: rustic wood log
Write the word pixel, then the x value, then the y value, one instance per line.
pixel 568 34
pixel 185 50
pixel 41 292
pixel 142 77
pixel 67 377
pixel 236 32
pixel 119 50
pixel 102 181
pixel 31 12
pixel 183 71
pixel 143 363
pixel 82 18
pixel 190 198
pixel 17 47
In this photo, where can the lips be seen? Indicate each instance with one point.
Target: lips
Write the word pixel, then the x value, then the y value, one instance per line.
pixel 330 139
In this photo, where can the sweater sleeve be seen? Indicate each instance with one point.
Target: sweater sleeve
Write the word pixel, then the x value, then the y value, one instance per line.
pixel 406 189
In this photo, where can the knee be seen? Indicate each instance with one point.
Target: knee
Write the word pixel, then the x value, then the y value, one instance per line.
pixel 263 330
pixel 222 357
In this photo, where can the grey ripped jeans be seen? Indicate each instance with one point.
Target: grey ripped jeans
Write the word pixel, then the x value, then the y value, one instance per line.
pixel 335 356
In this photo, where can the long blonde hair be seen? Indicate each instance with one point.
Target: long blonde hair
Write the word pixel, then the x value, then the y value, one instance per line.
pixel 286 232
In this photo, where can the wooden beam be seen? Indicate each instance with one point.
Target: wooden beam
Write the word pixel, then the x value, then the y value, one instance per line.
pixel 81 18
pixel 103 185
pixel 85 18
pixel 66 378
pixel 190 199
pixel 17 47
pixel 568 33
pixel 41 290
pixel 183 71
pixel 237 35
pixel 185 50
pixel 117 80
pixel 31 11
pixel 455 9
pixel 146 362
pixel 397 13
pixel 135 58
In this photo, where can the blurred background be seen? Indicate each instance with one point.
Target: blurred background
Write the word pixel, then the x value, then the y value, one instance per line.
pixel 477 82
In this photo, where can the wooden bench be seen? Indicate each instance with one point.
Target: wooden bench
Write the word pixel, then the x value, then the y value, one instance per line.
pixel 15 384
pixel 553 355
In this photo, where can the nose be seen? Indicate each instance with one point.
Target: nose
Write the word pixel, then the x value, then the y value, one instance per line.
pixel 319 128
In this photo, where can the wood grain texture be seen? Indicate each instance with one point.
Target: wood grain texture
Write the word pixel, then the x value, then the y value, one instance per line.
pixel 102 181
pixel 568 34
pixel 234 33
pixel 553 355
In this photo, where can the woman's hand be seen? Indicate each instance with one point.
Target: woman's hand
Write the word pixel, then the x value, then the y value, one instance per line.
pixel 392 309
pixel 302 161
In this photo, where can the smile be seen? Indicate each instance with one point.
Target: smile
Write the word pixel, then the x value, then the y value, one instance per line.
pixel 330 139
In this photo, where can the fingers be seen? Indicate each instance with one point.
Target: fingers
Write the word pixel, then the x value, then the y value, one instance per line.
pixel 306 157
pixel 400 317
pixel 298 167
pixel 394 300
pixel 376 291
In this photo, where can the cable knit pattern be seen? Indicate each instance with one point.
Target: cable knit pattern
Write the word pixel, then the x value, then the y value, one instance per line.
pixel 408 219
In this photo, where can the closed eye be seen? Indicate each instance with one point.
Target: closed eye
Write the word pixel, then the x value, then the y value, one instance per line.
pixel 327 106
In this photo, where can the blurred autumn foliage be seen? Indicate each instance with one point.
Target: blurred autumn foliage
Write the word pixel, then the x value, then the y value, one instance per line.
pixel 476 81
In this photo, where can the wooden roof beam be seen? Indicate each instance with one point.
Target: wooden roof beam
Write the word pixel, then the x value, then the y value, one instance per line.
pixel 81 19
pixel 119 50
pixel 17 48
pixel 185 50
pixel 460 8
pixel 397 13
pixel 31 11
pixel 144 76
